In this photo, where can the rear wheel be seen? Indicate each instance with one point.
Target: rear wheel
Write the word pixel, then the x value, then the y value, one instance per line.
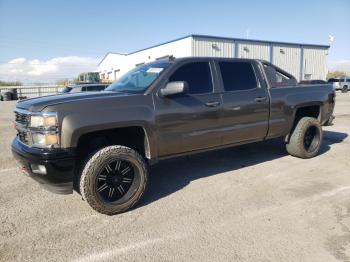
pixel 306 139
pixel 345 89
pixel 114 179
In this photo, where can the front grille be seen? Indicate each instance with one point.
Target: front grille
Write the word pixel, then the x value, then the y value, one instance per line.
pixel 22 118
pixel 23 137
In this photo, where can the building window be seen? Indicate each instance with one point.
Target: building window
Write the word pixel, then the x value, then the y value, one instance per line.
pixel 307 76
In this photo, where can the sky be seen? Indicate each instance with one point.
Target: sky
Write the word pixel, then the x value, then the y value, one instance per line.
pixel 44 41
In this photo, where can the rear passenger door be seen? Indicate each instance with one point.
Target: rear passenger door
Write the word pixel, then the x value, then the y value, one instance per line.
pixel 245 102
pixel 189 121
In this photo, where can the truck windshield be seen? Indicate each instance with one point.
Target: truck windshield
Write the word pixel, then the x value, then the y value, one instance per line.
pixel 138 79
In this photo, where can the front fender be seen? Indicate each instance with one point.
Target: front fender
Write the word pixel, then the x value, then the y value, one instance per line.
pixel 85 116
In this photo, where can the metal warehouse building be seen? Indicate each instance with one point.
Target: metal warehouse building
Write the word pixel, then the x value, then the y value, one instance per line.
pixel 304 61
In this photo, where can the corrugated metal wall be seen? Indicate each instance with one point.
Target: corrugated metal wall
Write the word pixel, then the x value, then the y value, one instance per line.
pixel 288 58
pixel 315 63
pixel 212 48
pixel 253 50
pixel 301 61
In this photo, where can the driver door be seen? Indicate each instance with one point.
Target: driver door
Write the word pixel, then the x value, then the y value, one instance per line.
pixel 189 121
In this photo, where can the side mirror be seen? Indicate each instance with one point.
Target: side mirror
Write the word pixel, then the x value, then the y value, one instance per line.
pixel 174 88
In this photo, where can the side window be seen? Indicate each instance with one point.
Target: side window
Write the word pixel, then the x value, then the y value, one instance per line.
pixel 197 75
pixel 95 88
pixel 237 76
pixel 277 78
pixel 281 79
pixel 271 74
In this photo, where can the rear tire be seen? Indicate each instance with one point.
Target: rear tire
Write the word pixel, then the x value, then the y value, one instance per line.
pixel 345 89
pixel 114 179
pixel 306 139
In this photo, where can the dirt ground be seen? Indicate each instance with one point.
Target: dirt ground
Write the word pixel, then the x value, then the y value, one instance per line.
pixel 250 203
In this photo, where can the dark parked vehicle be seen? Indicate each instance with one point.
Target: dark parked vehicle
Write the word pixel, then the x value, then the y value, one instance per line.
pixel 9 95
pixel 101 143
pixel 84 88
pixel 312 82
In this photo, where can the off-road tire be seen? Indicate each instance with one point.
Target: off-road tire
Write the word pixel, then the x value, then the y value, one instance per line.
pixel 296 144
pixel 94 166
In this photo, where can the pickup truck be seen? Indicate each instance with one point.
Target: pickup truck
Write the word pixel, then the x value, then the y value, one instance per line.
pixel 101 144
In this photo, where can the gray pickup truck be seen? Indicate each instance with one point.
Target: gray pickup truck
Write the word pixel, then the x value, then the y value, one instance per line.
pixel 102 143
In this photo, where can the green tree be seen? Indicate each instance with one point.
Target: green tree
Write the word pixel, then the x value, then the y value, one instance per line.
pixel 335 74
pixel 7 83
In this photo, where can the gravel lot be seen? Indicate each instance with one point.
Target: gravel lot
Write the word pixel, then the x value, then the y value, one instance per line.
pixel 251 203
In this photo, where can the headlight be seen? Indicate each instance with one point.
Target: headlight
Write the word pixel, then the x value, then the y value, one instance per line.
pixel 44 130
pixel 43 120
pixel 45 139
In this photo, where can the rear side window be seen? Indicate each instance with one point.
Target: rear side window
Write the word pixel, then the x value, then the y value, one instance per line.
pixel 237 76
pixel 95 88
pixel 333 80
pixel 277 78
pixel 197 75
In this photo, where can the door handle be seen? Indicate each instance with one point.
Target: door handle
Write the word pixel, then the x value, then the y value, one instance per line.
pixel 260 99
pixel 212 104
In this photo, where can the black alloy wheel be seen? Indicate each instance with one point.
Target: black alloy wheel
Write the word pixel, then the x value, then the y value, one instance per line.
pixel 311 139
pixel 115 180
pixel 305 140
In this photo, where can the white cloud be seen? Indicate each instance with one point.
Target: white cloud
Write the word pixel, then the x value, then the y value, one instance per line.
pixel 20 60
pixel 46 71
pixel 342 65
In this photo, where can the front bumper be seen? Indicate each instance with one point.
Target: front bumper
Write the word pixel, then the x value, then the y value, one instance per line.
pixel 59 163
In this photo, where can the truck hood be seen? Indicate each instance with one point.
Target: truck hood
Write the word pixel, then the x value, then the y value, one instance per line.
pixel 39 103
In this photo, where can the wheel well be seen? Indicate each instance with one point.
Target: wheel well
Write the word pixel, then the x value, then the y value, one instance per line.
pixel 133 137
pixel 310 111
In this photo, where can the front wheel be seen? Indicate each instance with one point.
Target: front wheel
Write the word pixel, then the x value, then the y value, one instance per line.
pixel 114 179
pixel 306 139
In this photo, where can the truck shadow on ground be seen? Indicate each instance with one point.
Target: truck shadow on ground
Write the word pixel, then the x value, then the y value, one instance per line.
pixel 172 175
